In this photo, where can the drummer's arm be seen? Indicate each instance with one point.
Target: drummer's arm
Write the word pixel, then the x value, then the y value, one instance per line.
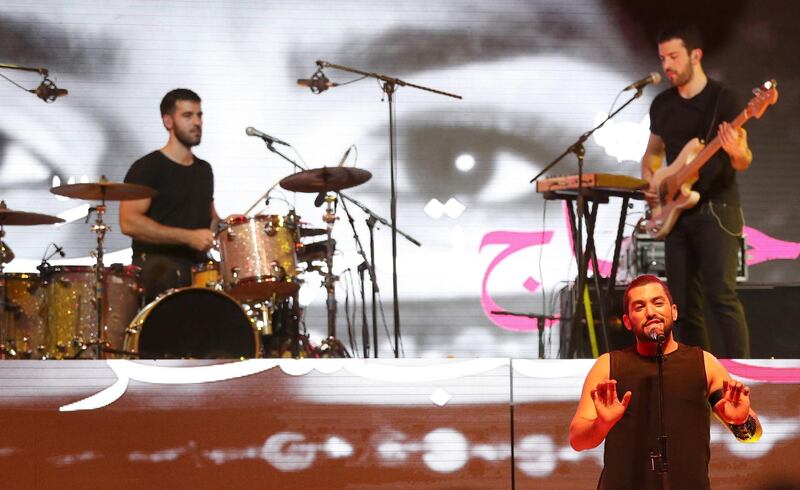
pixel 134 222
pixel 214 217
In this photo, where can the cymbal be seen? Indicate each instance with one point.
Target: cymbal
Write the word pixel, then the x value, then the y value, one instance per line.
pixel 104 190
pixel 325 179
pixel 24 218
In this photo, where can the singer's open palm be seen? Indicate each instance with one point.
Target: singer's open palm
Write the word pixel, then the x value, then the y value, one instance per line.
pixel 608 406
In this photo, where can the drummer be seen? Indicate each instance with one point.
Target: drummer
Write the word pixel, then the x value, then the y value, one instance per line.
pixel 172 231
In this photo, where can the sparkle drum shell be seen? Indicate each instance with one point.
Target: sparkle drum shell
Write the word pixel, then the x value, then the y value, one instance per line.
pixel 71 314
pixel 22 326
pixel 259 258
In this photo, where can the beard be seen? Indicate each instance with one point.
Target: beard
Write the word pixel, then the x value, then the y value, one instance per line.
pixel 682 77
pixel 187 138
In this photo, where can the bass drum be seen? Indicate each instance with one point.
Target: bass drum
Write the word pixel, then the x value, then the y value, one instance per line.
pixel 192 323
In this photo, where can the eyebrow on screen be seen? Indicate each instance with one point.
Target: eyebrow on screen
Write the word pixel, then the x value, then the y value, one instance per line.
pixel 409 49
pixel 35 43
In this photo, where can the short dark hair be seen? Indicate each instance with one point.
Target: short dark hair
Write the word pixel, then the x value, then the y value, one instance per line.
pixel 173 96
pixel 641 281
pixel 688 33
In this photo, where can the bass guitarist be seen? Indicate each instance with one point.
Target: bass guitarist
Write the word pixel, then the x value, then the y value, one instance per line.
pixel 702 247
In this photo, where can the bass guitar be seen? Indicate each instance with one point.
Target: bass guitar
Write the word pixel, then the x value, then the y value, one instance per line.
pixel 673 183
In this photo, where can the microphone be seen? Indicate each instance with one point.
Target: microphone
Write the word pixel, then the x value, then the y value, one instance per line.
pixel 47 91
pixel 344 157
pixel 653 77
pixel 318 82
pixel 657 336
pixel 321 196
pixel 251 131
pixel 60 250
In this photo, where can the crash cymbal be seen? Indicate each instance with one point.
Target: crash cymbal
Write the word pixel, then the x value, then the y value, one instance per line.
pixel 104 190
pixel 24 218
pixel 325 179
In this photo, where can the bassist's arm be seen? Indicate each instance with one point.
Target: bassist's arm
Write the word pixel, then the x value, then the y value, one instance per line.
pixel 651 161
pixel 734 142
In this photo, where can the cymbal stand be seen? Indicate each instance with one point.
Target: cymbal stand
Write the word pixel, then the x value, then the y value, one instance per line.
pixel 331 346
pixel 99 228
pixel 6 255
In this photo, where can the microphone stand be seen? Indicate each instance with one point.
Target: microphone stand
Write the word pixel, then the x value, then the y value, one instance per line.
pixel 579 150
pixel 658 459
pixel 540 319
pixel 364 265
pixel 389 87
pixel 374 218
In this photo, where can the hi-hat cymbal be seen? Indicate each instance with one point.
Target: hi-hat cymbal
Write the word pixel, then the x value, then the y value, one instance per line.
pixel 325 179
pixel 104 190
pixel 24 218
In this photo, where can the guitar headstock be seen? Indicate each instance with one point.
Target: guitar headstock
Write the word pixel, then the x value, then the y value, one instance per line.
pixel 765 96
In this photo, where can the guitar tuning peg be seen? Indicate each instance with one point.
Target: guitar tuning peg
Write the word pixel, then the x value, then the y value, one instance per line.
pixel 756 91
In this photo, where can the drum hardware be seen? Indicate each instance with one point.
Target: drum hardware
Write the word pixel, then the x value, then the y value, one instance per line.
pixel 102 191
pixel 318 181
pixel 309 232
pixel 280 328
pixel 331 346
pixel 310 252
pixel 6 254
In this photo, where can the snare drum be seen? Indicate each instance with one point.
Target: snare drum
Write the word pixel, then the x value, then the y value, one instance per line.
pixel 71 314
pixel 206 275
pixel 259 260
pixel 22 327
pixel 192 323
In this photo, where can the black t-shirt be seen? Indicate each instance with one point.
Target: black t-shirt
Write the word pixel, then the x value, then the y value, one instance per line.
pixel 185 195
pixel 677 120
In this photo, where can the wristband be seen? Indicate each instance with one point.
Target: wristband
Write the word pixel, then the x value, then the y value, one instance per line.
pixel 715 397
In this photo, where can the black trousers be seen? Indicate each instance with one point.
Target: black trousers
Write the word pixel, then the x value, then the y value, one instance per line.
pixel 701 260
pixel 163 272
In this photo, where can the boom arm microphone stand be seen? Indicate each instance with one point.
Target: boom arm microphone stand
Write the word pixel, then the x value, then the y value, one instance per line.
pixel 389 86
pixel 579 150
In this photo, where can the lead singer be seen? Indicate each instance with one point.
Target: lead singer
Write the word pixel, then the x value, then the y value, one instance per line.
pixel 695 383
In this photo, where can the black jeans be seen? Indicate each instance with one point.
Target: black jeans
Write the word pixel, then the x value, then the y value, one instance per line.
pixel 702 258
pixel 163 272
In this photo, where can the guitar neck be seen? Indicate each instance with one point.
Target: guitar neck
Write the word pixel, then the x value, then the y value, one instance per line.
pixel 710 149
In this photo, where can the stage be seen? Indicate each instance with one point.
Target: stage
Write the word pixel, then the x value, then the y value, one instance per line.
pixel 327 423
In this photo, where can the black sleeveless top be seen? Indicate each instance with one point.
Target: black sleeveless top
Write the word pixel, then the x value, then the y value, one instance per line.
pixel 687 418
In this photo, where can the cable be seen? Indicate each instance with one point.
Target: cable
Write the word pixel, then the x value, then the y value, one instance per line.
pixel 13 82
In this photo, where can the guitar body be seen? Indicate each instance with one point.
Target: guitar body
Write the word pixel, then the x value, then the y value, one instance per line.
pixel 674 194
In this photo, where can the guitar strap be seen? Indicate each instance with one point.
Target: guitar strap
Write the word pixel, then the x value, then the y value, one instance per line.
pixel 713 116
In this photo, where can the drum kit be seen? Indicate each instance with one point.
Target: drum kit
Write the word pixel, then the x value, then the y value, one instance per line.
pixel 243 306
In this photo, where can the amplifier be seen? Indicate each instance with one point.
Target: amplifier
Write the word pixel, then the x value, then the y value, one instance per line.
pixel 644 255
